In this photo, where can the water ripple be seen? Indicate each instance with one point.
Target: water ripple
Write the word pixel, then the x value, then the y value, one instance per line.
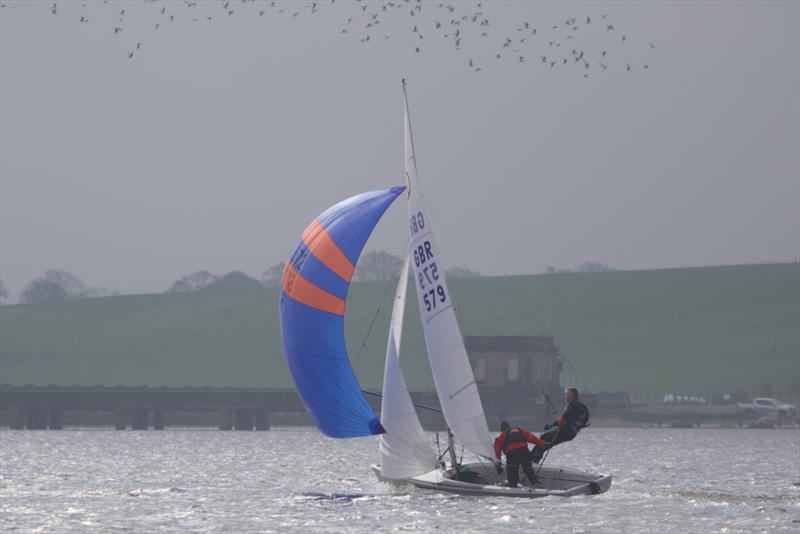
pixel 665 480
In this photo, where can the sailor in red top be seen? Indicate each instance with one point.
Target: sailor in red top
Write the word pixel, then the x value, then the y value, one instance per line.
pixel 514 443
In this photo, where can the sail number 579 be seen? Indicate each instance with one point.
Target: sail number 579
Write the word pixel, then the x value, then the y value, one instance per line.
pixel 434 296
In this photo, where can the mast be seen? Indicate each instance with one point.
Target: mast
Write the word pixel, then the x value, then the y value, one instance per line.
pixel 450 366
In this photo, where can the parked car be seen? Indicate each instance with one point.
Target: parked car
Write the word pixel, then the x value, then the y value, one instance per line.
pixel 765 406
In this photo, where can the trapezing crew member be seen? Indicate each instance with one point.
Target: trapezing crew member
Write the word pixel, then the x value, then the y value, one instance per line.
pixel 575 417
pixel 514 443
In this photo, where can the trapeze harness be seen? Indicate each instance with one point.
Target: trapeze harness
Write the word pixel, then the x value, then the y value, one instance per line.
pixel 578 415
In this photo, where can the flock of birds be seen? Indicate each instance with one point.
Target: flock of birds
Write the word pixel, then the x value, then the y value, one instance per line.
pixel 465 26
pixel 554 45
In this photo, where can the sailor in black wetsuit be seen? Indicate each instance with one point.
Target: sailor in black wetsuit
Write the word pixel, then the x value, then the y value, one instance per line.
pixel 566 427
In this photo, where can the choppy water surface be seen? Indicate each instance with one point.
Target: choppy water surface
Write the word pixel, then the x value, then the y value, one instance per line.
pixel 665 480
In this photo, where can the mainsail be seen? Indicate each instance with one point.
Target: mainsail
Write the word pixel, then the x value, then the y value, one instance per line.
pixel 312 305
pixel 452 373
pixel 405 451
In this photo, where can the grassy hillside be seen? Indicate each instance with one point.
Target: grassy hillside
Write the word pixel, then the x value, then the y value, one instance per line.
pixel 699 330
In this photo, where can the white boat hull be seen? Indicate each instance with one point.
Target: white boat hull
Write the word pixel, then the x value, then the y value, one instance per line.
pixel 551 481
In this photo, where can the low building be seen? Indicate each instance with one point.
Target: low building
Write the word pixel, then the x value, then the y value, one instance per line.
pixel 518 377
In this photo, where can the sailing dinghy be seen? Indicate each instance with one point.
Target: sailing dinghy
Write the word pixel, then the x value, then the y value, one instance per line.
pixel 313 295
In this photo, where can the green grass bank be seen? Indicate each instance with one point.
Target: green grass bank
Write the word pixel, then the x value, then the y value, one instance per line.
pixel 733 329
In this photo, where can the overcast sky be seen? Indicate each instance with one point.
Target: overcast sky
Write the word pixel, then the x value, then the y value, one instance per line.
pixel 219 140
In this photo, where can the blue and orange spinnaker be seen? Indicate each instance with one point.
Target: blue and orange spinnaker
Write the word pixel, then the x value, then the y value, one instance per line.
pixel 313 295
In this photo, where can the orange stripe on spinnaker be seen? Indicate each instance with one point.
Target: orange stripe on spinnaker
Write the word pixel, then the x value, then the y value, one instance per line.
pixel 304 292
pixel 317 240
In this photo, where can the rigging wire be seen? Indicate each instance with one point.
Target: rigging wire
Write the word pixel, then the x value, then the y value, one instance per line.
pixel 474 279
pixel 544 457
pixel 551 409
pixel 386 287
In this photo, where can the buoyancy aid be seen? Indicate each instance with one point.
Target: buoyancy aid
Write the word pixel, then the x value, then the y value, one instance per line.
pixel 514 440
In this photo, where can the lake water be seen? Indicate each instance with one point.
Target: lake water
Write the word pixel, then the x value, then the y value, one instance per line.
pixel 294 480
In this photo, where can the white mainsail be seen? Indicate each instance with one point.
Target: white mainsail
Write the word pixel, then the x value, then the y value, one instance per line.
pixel 452 373
pixel 405 451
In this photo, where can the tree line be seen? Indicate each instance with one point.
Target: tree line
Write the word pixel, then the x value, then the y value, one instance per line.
pixel 586 267
pixel 57 285
pixel 375 266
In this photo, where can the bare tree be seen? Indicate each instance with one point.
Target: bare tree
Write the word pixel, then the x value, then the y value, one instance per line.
pixel 196 281
pixel 43 290
pixel 234 280
pixel 3 290
pixel 272 276
pixel 71 284
pixel 377 265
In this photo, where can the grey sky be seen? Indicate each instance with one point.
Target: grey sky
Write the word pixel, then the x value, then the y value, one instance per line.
pixel 218 142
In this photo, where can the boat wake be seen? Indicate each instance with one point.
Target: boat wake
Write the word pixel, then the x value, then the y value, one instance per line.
pixel 339 497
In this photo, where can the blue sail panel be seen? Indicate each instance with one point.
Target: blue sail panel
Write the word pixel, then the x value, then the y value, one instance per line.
pixel 312 303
